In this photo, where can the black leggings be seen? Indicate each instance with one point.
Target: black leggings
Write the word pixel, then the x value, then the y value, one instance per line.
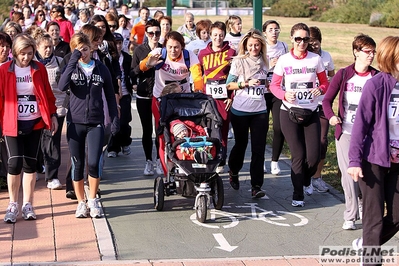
pixel 22 152
pixel 257 125
pixel 122 138
pixel 324 126
pixel 145 113
pixel 304 144
pixel 77 136
pixel 273 104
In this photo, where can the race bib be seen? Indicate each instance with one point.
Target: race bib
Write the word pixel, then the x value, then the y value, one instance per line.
pixel 302 92
pixel 27 106
pixel 216 88
pixel 351 114
pixel 393 109
pixel 256 93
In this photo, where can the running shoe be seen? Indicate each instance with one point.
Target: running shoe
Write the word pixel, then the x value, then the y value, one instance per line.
pixel 298 203
pixel 126 150
pixel 81 210
pixel 275 168
pixel 112 154
pixel 11 213
pixel 27 212
pixel 95 209
pixel 149 168
pixel 235 184
pixel 349 225
pixel 319 184
pixel 158 167
pixel 54 184
pixel 308 190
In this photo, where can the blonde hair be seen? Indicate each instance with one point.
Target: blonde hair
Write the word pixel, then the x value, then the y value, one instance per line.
pixel 255 34
pixel 79 39
pixel 230 22
pixel 173 87
pixel 22 41
pixel 388 54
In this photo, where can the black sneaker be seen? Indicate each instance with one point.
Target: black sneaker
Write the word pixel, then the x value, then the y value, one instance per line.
pixel 71 195
pixel 234 183
pixel 257 193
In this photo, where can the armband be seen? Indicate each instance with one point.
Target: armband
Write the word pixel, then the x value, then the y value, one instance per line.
pixel 239 85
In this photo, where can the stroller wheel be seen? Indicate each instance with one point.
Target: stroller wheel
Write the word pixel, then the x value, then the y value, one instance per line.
pixel 201 209
pixel 159 193
pixel 218 193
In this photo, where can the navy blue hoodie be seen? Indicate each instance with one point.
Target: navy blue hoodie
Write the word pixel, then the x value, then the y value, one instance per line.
pixel 86 104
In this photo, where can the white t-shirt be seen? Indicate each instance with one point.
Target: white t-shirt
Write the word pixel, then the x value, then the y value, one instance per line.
pixel 233 40
pixel 393 114
pixel 329 66
pixel 353 92
pixel 28 109
pixel 300 76
pixel 249 99
pixel 173 71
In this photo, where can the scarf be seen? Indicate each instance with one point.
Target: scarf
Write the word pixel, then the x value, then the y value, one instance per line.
pixel 250 65
pixel 44 61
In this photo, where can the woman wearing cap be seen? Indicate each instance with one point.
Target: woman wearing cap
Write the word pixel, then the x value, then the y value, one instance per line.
pixel 121 141
pixel 66 27
pixel 300 69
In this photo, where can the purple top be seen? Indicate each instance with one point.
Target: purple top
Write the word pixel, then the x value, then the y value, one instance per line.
pixel 370 133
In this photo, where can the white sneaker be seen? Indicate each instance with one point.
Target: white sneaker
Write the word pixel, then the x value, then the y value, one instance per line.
pixel 357 244
pixel 149 168
pixel 81 210
pixel 230 135
pixel 11 213
pixel 319 184
pixel 126 150
pixel 220 169
pixel 298 203
pixel 158 167
pixel 54 184
pixel 264 168
pixel 349 225
pixel 275 168
pixel 308 190
pixel 112 154
pixel 27 212
pixel 95 210
pixel 360 209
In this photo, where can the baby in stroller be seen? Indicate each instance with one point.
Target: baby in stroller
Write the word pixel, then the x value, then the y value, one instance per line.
pixel 189 133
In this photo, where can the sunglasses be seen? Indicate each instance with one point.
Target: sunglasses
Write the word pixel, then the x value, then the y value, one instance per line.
pixel 300 39
pixel 41 15
pixel 151 33
pixel 54 11
pixel 112 26
pixel 369 52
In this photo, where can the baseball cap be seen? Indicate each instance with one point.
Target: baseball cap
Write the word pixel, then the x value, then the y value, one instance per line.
pixel 118 36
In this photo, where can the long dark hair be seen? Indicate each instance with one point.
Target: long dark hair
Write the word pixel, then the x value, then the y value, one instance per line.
pixel 108 36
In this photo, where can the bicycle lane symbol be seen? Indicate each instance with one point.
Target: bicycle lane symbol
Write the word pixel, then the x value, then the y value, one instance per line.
pixel 271 217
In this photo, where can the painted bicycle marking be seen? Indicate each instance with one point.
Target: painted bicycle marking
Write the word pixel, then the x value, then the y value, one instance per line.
pixel 279 218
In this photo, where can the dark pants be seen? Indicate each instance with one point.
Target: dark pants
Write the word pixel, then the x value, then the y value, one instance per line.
pixel 379 185
pixel 51 149
pixel 78 135
pixel 257 125
pixel 144 109
pixel 122 138
pixel 324 126
pixel 273 104
pixel 22 152
pixel 304 145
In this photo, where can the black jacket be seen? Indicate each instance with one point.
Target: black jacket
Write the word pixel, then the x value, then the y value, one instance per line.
pixel 144 80
pixel 127 62
pixel 86 105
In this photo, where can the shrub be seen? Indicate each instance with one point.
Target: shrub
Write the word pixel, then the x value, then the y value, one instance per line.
pixel 389 15
pixel 353 11
pixel 301 8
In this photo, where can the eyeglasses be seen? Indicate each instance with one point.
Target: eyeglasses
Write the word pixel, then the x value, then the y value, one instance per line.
pixel 273 30
pixel 300 39
pixel 151 33
pixel 54 11
pixel 112 26
pixel 369 52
